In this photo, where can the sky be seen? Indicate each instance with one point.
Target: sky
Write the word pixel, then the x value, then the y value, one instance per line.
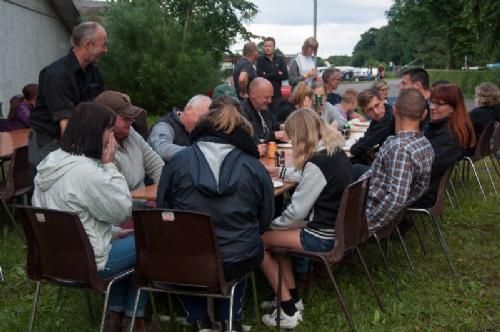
pixel 340 23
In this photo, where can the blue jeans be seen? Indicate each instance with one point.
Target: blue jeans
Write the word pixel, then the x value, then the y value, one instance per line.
pixel 196 307
pixel 123 292
pixel 310 243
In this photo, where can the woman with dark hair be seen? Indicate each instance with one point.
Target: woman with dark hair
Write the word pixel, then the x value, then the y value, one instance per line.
pixel 308 222
pixel 220 175
pixel 20 109
pixel 450 132
pixel 81 177
pixel 487 111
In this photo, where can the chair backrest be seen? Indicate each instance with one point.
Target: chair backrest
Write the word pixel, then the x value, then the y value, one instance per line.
pixel 19 179
pixel 350 226
pixel 438 208
pixel 141 124
pixel 483 142
pixel 177 248
pixel 58 248
pixel 495 141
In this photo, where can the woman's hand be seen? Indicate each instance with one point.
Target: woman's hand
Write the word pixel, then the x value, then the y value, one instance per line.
pixel 109 150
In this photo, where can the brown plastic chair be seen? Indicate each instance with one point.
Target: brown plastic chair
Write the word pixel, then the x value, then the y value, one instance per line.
pixel 481 151
pixel 495 148
pixel 18 182
pixel 177 252
pixel 350 231
pixel 436 211
pixel 141 124
pixel 56 240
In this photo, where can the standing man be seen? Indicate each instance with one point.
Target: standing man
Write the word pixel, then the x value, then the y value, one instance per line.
pixel 244 72
pixel 273 68
pixel 64 84
pixel 332 79
pixel 171 133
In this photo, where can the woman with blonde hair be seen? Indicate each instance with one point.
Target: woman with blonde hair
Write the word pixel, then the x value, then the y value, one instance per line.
pixel 303 67
pixel 309 220
pixel 220 175
pixel 487 111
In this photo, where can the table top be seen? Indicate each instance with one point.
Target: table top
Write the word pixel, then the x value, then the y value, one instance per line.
pixel 11 140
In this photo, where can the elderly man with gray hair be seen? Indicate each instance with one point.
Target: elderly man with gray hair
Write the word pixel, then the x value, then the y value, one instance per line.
pixel 170 133
pixel 64 84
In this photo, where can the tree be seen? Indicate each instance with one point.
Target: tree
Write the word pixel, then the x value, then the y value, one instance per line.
pixel 340 60
pixel 163 53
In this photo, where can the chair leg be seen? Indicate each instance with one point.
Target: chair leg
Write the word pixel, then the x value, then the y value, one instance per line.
pixel 231 303
pixel 136 304
pixel 368 274
pixel 455 193
pixel 406 251
pixel 460 177
pixel 449 199
pixel 35 304
pixel 386 264
pixel 496 164
pixel 255 299
pixel 339 295
pixel 442 241
pixel 420 239
pixel 105 305
pixel 12 220
pixel 489 175
pixel 476 175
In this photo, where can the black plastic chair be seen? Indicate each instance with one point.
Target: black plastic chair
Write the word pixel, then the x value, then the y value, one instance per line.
pixel 56 240
pixel 177 253
pixel 351 230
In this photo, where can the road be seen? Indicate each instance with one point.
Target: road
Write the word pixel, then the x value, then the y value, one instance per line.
pixel 393 90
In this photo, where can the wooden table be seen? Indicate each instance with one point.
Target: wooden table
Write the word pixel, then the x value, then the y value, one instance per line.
pixel 11 140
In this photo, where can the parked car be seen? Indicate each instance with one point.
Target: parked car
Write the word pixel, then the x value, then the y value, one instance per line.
pixel 493 65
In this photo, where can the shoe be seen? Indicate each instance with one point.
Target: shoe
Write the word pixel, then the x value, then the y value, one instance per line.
pixel 237 327
pixel 139 325
pixel 272 304
pixel 113 322
pixel 203 325
pixel 287 322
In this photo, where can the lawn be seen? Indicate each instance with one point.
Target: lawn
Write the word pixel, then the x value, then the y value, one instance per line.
pixel 433 300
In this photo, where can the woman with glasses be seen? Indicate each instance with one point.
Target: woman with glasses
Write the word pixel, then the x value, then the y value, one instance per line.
pixel 450 132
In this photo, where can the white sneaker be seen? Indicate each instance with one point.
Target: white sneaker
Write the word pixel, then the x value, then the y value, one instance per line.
pixel 287 322
pixel 274 303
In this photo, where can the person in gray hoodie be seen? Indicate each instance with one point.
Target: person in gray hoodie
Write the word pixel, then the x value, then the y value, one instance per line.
pixel 80 177
pixel 221 175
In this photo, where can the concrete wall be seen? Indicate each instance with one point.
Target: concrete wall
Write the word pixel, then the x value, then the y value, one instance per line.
pixel 31 37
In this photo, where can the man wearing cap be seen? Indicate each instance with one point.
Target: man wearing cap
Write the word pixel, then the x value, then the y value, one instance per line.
pixel 64 84
pixel 170 133
pixel 134 157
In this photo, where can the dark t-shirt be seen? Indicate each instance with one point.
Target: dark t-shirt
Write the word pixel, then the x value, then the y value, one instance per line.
pixel 243 66
pixel 333 98
pixel 63 85
pixel 270 70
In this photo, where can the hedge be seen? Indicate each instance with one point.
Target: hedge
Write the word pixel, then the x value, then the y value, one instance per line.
pixel 466 79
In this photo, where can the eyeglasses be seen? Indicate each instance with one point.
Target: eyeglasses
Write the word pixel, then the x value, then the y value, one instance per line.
pixel 437 104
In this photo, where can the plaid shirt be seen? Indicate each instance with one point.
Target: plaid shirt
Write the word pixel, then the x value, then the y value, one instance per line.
pixel 400 175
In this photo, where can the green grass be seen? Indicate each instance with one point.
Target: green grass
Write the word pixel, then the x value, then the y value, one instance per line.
pixel 434 300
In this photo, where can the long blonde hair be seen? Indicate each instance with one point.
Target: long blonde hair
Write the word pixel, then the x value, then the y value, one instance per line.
pixel 224 116
pixel 306 129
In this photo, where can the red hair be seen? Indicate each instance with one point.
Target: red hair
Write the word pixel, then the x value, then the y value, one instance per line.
pixel 459 122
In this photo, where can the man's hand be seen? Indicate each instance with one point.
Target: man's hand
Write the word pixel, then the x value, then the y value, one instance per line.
pixel 262 149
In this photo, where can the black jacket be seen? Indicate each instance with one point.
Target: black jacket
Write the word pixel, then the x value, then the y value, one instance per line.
pixel 375 136
pixel 270 69
pixel 447 151
pixel 483 116
pixel 239 199
pixel 252 115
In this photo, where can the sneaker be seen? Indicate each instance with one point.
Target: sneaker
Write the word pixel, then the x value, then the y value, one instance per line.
pixel 287 322
pixel 272 304
pixel 203 325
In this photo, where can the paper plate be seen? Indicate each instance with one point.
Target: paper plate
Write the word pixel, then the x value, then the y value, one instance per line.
pixel 277 184
pixel 362 124
pixel 285 145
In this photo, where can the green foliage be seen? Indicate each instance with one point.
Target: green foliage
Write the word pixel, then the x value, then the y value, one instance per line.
pixel 340 60
pixel 163 53
pixel 466 79
pixel 436 33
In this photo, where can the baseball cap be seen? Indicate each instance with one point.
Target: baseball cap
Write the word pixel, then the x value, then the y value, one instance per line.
pixel 224 90
pixel 119 103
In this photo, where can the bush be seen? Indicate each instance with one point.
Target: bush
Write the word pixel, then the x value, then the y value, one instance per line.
pixel 466 79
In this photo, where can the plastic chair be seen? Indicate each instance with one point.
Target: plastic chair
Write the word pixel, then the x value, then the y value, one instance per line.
pixel 436 211
pixel 56 240
pixel 18 183
pixel 481 151
pixel 177 253
pixel 495 148
pixel 141 124
pixel 350 231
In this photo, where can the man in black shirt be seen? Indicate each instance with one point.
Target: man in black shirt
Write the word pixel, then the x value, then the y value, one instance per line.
pixel 64 84
pixel 244 72
pixel 273 68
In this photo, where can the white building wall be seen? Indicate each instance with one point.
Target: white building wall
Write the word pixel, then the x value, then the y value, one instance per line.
pixel 31 37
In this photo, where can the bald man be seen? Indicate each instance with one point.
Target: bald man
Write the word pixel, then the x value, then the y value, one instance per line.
pixel 255 110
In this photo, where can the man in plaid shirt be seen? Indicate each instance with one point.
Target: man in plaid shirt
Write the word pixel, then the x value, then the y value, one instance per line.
pixel 401 172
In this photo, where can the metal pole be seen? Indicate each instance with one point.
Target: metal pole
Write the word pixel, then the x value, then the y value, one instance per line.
pixel 315 27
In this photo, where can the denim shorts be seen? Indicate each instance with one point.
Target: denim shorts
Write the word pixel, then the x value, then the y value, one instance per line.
pixel 313 243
